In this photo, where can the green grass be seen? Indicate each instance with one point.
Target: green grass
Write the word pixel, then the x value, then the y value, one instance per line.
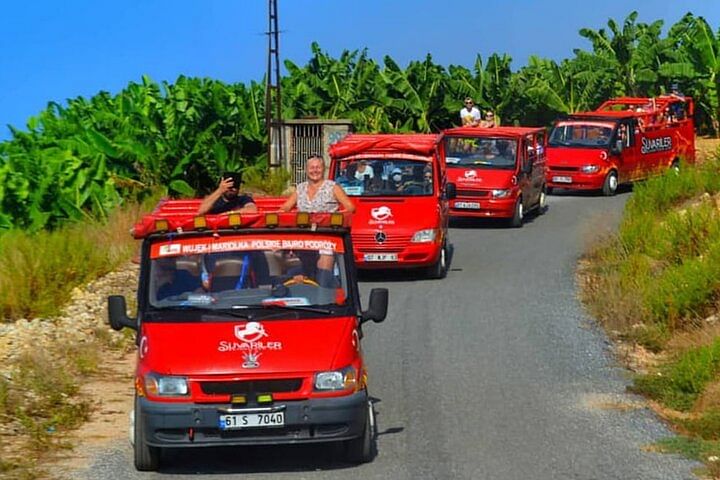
pixel 679 383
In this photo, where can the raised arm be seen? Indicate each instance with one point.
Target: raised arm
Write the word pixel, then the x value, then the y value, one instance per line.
pixel 207 203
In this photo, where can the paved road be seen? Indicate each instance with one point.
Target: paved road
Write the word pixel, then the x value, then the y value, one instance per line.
pixel 493 373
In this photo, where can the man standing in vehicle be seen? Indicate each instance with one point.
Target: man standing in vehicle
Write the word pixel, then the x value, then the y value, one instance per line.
pixel 227 198
pixel 469 114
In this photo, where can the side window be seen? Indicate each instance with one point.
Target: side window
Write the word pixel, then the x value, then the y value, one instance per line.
pixel 531 150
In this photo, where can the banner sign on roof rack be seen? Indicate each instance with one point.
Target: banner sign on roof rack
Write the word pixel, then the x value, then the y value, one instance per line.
pixel 242 243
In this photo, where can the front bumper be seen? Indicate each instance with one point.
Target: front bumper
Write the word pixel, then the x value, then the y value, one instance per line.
pixel 412 256
pixel 580 181
pixel 306 421
pixel 500 208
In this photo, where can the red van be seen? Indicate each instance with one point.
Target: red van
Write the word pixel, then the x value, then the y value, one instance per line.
pixel 624 140
pixel 397 183
pixel 496 172
pixel 248 330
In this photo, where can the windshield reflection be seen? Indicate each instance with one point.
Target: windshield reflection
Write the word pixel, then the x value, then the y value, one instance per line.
pixel 488 152
pixel 580 135
pixel 386 176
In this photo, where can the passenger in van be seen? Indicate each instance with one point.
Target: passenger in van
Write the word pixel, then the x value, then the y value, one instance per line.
pixel 171 281
pixel 364 171
pixel 226 198
pixel 317 194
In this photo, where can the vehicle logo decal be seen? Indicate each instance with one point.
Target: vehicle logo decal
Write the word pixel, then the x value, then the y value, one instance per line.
pixel 251 335
pixel 250 332
pixel 172 249
pixel 470 174
pixel 381 213
pixel 251 359
pixel 380 237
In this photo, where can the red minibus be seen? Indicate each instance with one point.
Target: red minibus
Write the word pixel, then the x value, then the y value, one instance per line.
pixel 626 139
pixel 397 183
pixel 496 172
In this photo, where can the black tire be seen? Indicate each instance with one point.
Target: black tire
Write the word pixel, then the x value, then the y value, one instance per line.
pixel 518 215
pixel 610 184
pixel 147 458
pixel 439 269
pixel 675 166
pixel 542 201
pixel 362 449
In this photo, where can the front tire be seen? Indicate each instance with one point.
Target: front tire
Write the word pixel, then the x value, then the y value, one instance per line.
pixel 147 458
pixel 610 184
pixel 518 215
pixel 542 201
pixel 439 269
pixel 362 449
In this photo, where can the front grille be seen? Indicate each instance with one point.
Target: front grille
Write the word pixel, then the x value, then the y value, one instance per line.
pixel 251 386
pixel 472 193
pixel 564 169
pixel 364 242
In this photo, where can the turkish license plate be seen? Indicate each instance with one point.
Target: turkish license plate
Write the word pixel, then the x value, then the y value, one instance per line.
pixel 380 257
pixel 251 420
pixel 562 179
pixel 468 205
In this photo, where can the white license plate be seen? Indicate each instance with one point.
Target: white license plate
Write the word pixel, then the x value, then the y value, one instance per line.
pixel 469 205
pixel 562 179
pixel 251 420
pixel 380 257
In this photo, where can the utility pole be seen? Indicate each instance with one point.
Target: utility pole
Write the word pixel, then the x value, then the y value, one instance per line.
pixel 273 123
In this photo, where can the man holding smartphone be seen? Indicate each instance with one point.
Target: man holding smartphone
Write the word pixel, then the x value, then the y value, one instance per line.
pixel 227 198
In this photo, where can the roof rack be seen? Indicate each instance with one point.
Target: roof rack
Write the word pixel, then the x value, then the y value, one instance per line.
pixel 179 216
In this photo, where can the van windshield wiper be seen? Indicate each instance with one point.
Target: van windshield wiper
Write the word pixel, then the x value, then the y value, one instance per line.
pixel 204 310
pixel 296 308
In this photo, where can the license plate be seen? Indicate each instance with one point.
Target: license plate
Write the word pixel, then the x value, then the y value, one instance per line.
pixel 469 205
pixel 251 420
pixel 562 179
pixel 380 257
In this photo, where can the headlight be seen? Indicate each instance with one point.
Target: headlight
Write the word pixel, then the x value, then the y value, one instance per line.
pixel 500 193
pixel 345 379
pixel 166 386
pixel 589 168
pixel 423 236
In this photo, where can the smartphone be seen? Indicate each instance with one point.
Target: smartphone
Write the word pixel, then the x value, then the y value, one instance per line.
pixel 236 176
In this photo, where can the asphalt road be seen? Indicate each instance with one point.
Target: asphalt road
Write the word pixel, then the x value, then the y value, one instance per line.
pixel 495 372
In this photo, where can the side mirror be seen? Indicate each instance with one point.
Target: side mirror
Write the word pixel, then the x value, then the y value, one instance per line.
pixel 377 310
pixel 450 190
pixel 117 314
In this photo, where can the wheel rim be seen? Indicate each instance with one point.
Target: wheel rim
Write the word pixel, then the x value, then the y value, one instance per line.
pixel 442 258
pixel 613 182
pixel 542 199
pixel 520 210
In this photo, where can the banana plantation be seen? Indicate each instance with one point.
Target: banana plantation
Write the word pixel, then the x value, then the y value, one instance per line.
pixel 83 157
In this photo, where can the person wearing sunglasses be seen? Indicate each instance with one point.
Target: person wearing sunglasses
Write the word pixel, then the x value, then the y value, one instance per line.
pixel 489 121
pixel 469 114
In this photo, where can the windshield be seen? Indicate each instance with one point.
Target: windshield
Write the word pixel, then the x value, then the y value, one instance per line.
pixel 248 271
pixel 584 135
pixel 385 176
pixel 484 152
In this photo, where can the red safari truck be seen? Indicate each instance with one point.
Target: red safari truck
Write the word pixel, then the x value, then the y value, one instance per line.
pixel 397 183
pixel 624 140
pixel 248 331
pixel 496 172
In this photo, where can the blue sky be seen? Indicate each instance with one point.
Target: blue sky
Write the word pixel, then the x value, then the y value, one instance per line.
pixel 55 50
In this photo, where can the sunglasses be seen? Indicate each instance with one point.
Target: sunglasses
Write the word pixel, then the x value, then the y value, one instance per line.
pixel 469 103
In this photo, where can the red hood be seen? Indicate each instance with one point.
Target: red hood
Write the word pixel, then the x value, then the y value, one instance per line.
pixel 574 156
pixel 215 348
pixel 480 178
pixel 411 213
